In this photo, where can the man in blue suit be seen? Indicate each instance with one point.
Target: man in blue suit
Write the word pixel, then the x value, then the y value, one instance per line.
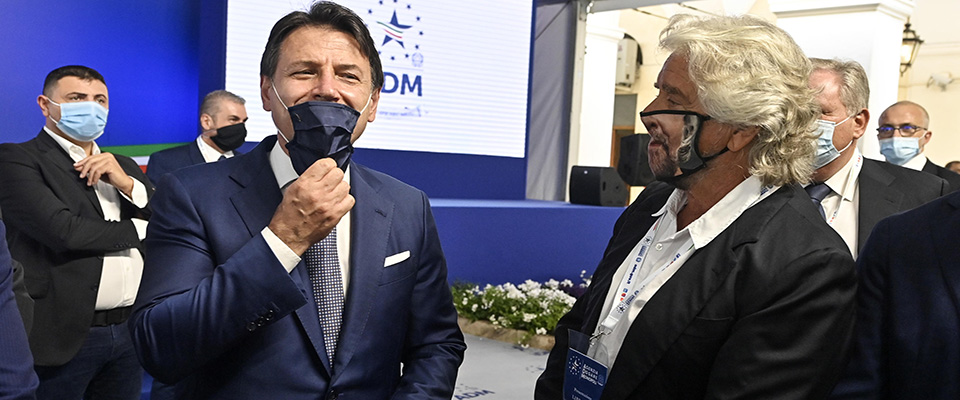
pixel 17 379
pixel 222 118
pixel 284 274
pixel 908 308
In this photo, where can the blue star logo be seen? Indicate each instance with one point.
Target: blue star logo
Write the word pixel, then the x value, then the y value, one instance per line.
pixel 393 30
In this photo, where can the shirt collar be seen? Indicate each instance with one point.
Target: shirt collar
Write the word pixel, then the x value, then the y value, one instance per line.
pixel 844 182
pixel 916 163
pixel 75 152
pixel 283 168
pixel 209 153
pixel 713 222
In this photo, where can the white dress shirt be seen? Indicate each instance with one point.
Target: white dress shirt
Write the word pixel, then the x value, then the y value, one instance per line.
pixel 284 172
pixel 916 163
pixel 667 253
pixel 120 278
pixel 842 204
pixel 209 153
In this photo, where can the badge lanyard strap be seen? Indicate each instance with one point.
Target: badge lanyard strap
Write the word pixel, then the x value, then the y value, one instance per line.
pixel 627 296
pixel 833 217
pixel 630 289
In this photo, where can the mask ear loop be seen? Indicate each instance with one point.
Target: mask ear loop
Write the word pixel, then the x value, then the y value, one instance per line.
pixel 835 129
pixel 58 105
pixel 274 86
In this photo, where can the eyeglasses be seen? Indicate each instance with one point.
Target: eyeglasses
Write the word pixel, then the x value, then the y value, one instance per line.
pixel 905 130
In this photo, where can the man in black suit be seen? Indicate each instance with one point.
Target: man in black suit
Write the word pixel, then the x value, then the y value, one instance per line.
pixel 906 345
pixel 724 282
pixel 222 118
pixel 17 379
pixel 856 192
pixel 903 135
pixel 76 217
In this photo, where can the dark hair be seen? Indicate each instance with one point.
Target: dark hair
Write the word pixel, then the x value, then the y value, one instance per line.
pixel 211 101
pixel 79 71
pixel 322 14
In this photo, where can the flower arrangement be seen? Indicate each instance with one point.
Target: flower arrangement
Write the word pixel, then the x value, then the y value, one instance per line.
pixel 531 306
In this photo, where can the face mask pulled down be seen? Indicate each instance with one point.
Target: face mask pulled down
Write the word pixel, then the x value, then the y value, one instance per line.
pixel 321 129
pixel 689 159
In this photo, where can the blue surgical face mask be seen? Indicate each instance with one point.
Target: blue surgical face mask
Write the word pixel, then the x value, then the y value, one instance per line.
pixel 321 129
pixel 826 151
pixel 899 150
pixel 83 120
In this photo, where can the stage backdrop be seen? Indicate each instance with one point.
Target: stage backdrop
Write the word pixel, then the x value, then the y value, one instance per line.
pixel 452 118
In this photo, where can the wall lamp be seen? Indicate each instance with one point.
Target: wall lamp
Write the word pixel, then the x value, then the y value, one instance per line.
pixel 909 48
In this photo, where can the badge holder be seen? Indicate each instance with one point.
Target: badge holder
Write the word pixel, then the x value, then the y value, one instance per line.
pixel 584 377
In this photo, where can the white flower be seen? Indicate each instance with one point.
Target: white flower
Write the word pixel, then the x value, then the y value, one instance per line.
pixel 527 317
pixel 541 331
pixel 464 301
pixel 566 283
pixel 473 308
pixel 529 285
pixel 552 284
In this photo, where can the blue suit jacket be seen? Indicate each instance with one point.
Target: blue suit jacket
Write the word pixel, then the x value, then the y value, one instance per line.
pixel 218 313
pixel 17 379
pixel 172 159
pixel 908 308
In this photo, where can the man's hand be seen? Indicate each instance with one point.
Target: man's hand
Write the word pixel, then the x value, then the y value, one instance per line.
pixel 312 206
pixel 104 166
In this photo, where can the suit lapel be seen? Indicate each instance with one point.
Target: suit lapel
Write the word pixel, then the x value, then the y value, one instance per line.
pixel 60 159
pixel 196 157
pixel 876 200
pixel 942 233
pixel 370 227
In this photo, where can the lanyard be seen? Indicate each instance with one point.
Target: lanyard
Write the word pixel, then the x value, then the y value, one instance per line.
pixel 630 288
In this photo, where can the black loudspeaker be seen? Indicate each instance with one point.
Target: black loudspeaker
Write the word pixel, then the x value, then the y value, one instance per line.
pixel 599 186
pixel 633 165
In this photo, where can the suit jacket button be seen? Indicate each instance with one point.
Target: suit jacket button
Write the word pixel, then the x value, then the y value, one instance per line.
pixel 269 315
pixel 252 326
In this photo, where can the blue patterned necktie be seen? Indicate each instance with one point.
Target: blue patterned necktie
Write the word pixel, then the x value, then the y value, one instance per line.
pixel 323 266
pixel 817 193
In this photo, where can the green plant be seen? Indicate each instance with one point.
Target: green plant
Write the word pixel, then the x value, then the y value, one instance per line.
pixel 529 306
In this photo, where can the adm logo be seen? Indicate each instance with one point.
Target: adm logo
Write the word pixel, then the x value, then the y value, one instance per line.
pixel 397 27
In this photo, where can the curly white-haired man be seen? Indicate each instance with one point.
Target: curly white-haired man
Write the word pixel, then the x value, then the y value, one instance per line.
pixel 722 281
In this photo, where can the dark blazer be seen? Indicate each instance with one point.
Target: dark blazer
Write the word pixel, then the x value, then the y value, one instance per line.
pixel 951 177
pixel 765 310
pixel 57 230
pixel 908 308
pixel 218 312
pixel 17 379
pixel 172 159
pixel 886 189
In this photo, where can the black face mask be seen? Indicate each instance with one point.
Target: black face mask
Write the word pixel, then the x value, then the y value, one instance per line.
pixel 322 129
pixel 230 137
pixel 690 159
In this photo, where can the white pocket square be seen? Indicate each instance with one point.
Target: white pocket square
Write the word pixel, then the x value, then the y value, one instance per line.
pixel 396 258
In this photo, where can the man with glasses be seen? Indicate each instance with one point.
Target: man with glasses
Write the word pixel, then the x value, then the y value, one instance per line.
pixel 903 134
pixel 853 192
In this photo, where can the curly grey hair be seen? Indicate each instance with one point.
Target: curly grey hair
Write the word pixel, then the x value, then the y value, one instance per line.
pixel 749 72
